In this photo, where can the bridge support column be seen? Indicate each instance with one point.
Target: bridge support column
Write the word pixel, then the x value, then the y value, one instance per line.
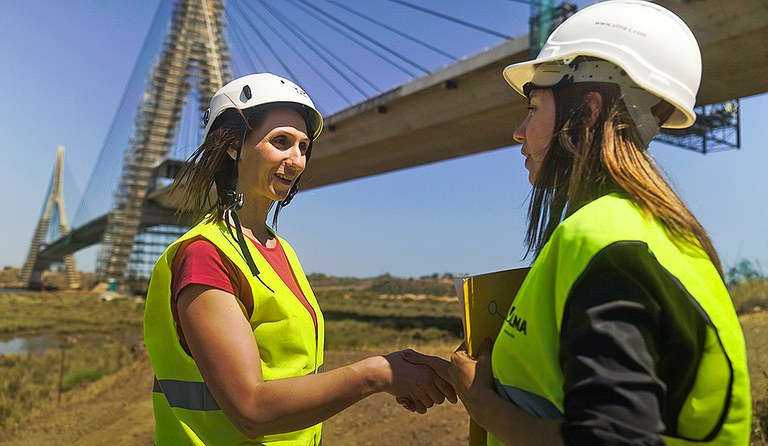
pixel 195 52
pixel 32 271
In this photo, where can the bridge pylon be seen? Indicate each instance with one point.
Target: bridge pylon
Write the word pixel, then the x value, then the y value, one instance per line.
pixel 195 54
pixel 31 272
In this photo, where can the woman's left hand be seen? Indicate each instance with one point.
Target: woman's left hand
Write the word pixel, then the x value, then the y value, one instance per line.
pixel 473 378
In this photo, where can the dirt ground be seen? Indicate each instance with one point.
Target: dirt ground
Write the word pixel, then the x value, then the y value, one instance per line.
pixel 117 409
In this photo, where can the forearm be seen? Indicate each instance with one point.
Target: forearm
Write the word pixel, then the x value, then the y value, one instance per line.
pixel 294 403
pixel 513 426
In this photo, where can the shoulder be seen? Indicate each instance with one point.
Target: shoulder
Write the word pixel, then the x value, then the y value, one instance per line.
pixel 596 225
pixel 605 220
pixel 197 247
pixel 196 253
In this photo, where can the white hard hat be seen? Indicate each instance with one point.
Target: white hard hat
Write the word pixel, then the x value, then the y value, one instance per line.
pixel 261 89
pixel 651 44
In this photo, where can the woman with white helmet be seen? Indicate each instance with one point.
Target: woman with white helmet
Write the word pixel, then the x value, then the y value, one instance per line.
pixel 233 331
pixel 630 336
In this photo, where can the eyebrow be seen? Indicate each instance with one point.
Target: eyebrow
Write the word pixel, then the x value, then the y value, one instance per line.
pixel 279 132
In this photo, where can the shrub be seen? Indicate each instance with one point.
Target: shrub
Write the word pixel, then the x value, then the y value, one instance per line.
pixel 750 295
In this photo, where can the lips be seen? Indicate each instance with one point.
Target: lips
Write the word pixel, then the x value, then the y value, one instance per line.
pixel 284 179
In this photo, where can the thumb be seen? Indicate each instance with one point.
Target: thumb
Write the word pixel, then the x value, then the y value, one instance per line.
pixel 484 352
pixel 438 365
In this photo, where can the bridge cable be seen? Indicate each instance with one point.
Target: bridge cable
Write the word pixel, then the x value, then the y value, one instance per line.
pixel 237 33
pixel 47 194
pixel 103 180
pixel 383 57
pixel 236 65
pixel 370 39
pixel 394 30
pixel 71 191
pixel 299 53
pixel 54 226
pixel 187 128
pixel 453 19
pixel 299 33
pixel 339 59
pixel 267 44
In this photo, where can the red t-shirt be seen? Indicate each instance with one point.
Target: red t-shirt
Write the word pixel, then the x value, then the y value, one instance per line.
pixel 200 262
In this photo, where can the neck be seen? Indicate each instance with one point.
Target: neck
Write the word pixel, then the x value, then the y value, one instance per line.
pixel 253 218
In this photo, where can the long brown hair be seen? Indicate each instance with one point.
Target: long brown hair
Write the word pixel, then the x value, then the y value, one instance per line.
pixel 585 162
pixel 211 164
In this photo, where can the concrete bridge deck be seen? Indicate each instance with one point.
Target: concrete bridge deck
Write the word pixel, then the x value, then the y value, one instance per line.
pixel 467 107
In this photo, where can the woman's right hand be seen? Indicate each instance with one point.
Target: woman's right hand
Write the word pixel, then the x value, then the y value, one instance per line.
pixel 423 380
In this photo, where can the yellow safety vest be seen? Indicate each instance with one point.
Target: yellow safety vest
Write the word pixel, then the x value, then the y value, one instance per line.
pixel 185 411
pixel 525 357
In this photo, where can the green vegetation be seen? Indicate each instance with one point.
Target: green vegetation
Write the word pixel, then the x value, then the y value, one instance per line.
pixel 387 321
pixel 385 313
pixel 65 312
pixel 87 338
pixel 750 296
pixel 92 338
pixel 433 285
pixel 31 382
pixel 748 287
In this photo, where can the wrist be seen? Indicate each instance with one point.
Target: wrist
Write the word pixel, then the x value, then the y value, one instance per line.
pixel 481 405
pixel 376 374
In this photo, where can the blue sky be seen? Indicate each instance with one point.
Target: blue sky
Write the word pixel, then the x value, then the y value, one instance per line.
pixel 65 66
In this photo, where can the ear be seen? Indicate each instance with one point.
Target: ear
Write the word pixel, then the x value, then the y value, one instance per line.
pixel 593 104
pixel 232 152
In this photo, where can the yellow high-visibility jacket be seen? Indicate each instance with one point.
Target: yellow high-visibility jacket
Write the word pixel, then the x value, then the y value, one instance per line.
pixel 615 317
pixel 289 345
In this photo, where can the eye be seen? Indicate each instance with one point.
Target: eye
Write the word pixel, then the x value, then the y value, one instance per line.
pixel 303 146
pixel 280 141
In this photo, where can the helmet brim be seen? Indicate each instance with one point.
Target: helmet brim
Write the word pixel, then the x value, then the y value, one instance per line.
pixel 519 74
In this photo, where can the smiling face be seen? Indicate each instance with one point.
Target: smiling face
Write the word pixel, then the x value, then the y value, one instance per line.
pixel 535 132
pixel 273 156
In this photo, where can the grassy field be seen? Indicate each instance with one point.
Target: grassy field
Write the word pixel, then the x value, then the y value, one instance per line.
pixel 98 347
pixel 85 339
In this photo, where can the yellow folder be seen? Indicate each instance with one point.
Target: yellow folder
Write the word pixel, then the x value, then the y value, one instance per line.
pixel 485 300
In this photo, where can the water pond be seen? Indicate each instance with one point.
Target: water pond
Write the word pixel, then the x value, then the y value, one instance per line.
pixel 39 344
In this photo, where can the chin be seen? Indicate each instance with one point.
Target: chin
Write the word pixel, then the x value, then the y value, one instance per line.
pixel 279 196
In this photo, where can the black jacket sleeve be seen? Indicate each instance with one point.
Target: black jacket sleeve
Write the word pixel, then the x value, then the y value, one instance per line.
pixel 631 340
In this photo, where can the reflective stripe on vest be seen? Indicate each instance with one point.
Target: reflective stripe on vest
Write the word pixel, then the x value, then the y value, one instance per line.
pixel 528 401
pixel 192 395
pixel 185 394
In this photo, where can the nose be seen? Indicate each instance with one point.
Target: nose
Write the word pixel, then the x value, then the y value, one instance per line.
pixel 519 135
pixel 296 159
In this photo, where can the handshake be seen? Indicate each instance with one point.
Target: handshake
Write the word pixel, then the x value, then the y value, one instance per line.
pixel 418 381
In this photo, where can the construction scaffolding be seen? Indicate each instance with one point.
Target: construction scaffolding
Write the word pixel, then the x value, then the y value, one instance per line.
pixel 717 128
pixel 195 55
pixel 544 18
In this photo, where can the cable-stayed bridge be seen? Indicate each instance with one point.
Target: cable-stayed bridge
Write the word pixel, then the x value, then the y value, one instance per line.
pixel 464 107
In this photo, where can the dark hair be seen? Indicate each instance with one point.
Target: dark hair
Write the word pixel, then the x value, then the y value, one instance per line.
pixel 211 165
pixel 585 162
